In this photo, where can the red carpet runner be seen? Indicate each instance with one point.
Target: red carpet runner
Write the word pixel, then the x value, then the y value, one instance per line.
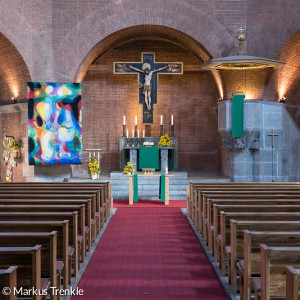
pixel 149 253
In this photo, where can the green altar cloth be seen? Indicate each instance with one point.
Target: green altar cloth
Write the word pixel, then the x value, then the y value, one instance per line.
pixel 237 115
pixel 149 158
pixel 135 188
pixel 162 187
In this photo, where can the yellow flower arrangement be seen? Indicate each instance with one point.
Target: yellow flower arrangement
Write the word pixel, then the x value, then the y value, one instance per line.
pixel 129 169
pixel 17 145
pixel 93 166
pixel 165 141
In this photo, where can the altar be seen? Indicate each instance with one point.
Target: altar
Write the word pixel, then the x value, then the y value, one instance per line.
pixel 131 150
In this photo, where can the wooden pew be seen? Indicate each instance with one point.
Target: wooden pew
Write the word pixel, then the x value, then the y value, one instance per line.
pixel 242 188
pixel 38 201
pixel 292 283
pixel 28 260
pixel 103 191
pixel 252 258
pixel 251 201
pixel 244 194
pixel 8 278
pixel 72 217
pixel 61 195
pixel 263 207
pixel 62 229
pixel 48 241
pixel 223 240
pixel 273 262
pixel 237 229
pixel 12 207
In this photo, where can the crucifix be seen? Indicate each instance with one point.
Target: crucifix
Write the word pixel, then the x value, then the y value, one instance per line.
pixel 273 145
pixel 147 71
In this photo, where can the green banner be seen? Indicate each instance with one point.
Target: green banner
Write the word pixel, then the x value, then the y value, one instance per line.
pixel 149 158
pixel 135 188
pixel 238 115
pixel 162 187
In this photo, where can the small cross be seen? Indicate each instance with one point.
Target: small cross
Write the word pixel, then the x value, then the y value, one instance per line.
pixel 273 137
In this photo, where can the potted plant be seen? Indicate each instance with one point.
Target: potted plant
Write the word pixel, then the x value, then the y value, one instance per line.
pixel 129 169
pixel 94 168
pixel 16 146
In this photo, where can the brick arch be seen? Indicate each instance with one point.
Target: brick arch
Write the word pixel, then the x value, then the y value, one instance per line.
pixel 284 82
pixel 115 17
pixel 14 73
pixel 23 36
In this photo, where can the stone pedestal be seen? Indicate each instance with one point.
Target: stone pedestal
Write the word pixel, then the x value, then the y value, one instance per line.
pixel 163 160
pixel 249 158
pixel 133 157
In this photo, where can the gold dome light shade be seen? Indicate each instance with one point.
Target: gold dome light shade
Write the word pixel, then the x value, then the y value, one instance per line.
pixel 240 62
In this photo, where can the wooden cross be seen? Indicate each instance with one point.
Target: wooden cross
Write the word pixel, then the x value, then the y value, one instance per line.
pixel 155 68
pixel 273 137
pixel 273 144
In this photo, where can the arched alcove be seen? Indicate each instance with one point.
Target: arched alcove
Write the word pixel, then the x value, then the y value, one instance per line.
pixel 190 97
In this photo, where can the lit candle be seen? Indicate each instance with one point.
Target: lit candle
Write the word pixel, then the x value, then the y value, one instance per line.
pixel 143 133
pixel 138 133
pixel 166 170
pixel 132 132
pixel 127 133
pixel 124 120
pixel 172 121
pixel 135 120
pixel 161 119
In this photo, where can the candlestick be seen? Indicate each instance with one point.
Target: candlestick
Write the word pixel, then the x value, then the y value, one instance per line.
pixel 138 133
pixel 161 130
pixel 143 133
pixel 124 120
pixel 161 120
pixel 127 133
pixel 124 130
pixel 172 121
pixel 132 132
pixel 135 130
pixel 172 130
pixel 135 123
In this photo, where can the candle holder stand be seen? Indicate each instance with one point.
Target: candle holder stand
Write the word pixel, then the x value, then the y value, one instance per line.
pixel 124 130
pixel 135 130
pixel 172 130
pixel 161 130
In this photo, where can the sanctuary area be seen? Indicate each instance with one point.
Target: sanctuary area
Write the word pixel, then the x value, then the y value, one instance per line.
pixel 150 149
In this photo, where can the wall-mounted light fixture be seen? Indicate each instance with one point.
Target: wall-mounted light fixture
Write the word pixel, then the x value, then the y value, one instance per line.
pixel 14 100
pixel 282 100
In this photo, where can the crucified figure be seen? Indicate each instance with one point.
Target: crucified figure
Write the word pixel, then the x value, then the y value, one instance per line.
pixel 147 84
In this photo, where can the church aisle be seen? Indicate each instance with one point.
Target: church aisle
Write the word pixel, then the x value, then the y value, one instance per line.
pixel 149 253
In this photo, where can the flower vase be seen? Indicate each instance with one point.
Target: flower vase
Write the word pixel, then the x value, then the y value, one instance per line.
pixel 94 176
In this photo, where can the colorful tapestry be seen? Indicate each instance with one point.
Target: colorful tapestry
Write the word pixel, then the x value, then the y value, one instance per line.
pixel 54 123
pixel 8 156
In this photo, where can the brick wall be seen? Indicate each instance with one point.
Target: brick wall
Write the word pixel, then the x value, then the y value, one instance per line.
pixel 58 40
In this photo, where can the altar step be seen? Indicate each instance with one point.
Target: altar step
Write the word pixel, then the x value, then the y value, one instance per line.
pixel 148 187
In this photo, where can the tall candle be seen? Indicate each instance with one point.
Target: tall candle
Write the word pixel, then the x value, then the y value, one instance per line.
pixel 172 121
pixel 138 133
pixel 143 133
pixel 135 120
pixel 161 119
pixel 127 133
pixel 124 120
pixel 132 132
